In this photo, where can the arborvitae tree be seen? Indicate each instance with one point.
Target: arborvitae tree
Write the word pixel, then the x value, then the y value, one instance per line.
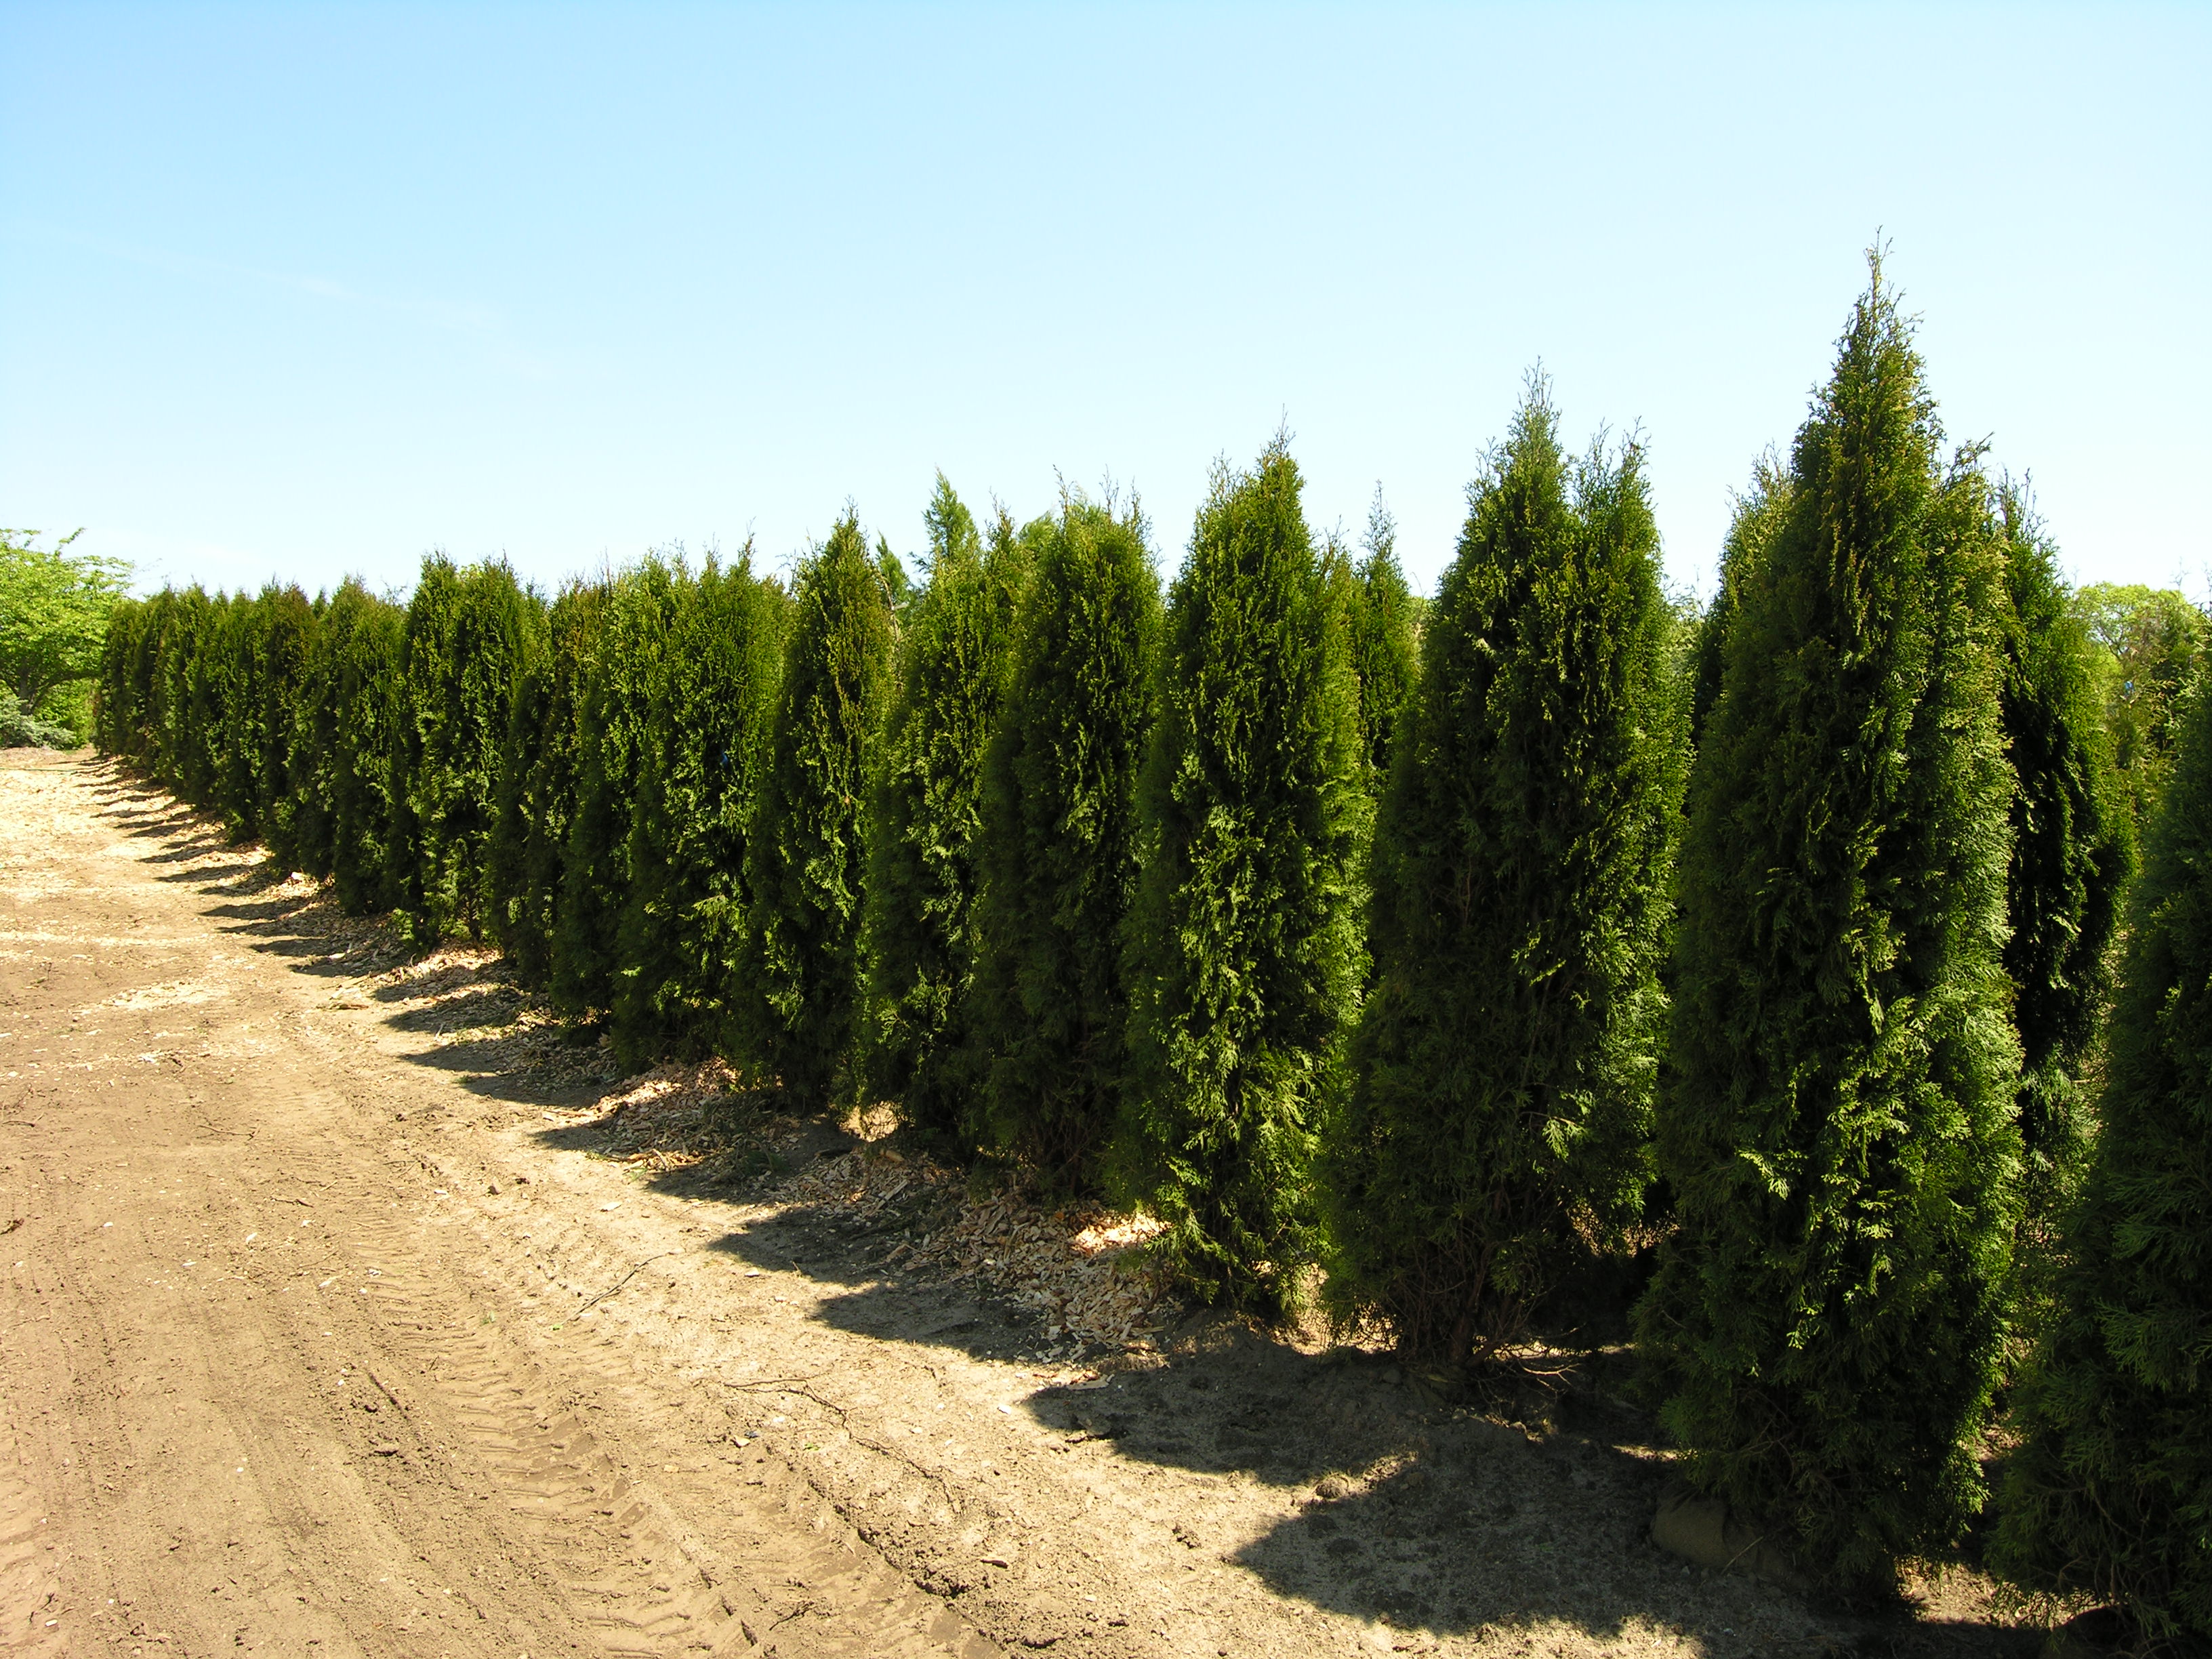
pixel 1057 842
pixel 365 744
pixel 637 613
pixel 425 672
pixel 806 861
pixel 120 710
pixel 1382 642
pixel 460 680
pixel 956 644
pixel 318 713
pixel 2072 854
pixel 539 777
pixel 192 698
pixel 1761 511
pixel 713 697
pixel 1499 1113
pixel 2108 1494
pixel 287 637
pixel 1245 955
pixel 1836 1122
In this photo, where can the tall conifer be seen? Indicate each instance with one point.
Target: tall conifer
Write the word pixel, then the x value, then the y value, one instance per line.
pixel 288 635
pixel 316 715
pixel 1059 842
pixel 1383 643
pixel 805 860
pixel 540 776
pixel 640 608
pixel 1501 1098
pixel 2072 854
pixel 1837 1126
pixel 2112 1493
pixel 365 744
pixel 704 748
pixel 955 640
pixel 1245 956
pixel 1759 511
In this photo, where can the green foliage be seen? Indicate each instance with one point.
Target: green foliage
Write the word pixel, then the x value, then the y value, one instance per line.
pixel 54 606
pixel 21 731
pixel 957 641
pixel 2072 854
pixel 2150 641
pixel 317 713
pixel 469 635
pixel 1059 842
pixel 283 636
pixel 705 744
pixel 539 779
pixel 2112 1493
pixel 1245 959
pixel 1760 512
pixel 806 861
pixel 1382 623
pixel 1500 1107
pixel 366 728
pixel 1836 1126
pixel 617 701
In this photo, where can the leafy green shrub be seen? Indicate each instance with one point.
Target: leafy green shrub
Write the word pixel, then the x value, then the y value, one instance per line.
pixel 1499 1112
pixel 21 731
pixel 957 639
pixel 704 746
pixel 1760 512
pixel 1836 1122
pixel 639 608
pixel 2151 642
pixel 2108 1493
pixel 284 640
pixel 1245 956
pixel 1057 845
pixel 2072 854
pixel 540 776
pixel 54 610
pixel 804 860
pixel 1381 618
pixel 367 732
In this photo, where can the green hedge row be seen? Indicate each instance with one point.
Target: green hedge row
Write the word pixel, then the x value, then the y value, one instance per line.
pixel 1417 953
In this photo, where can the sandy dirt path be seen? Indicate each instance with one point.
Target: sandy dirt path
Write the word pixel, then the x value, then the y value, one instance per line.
pixel 317 1339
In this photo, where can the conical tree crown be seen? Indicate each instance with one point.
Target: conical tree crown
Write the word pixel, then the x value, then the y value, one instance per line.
pixel 1500 1106
pixel 1245 956
pixel 705 746
pixel 2108 1493
pixel 1837 1127
pixel 955 645
pixel 1383 648
pixel 365 746
pixel 805 860
pixel 1060 844
pixel 316 712
pixel 1761 511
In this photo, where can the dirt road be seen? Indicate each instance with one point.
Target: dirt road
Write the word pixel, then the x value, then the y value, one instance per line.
pixel 318 1338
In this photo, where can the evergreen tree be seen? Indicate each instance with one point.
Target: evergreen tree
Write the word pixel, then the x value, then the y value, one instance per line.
pixel 1245 957
pixel 804 861
pixel 1382 642
pixel 955 642
pixel 425 667
pixel 1500 1105
pixel 318 712
pixel 2111 1492
pixel 1759 511
pixel 704 746
pixel 477 630
pixel 1836 1128
pixel 1058 843
pixel 539 777
pixel 287 638
pixel 2072 855
pixel 639 609
pixel 366 744
pixel 192 698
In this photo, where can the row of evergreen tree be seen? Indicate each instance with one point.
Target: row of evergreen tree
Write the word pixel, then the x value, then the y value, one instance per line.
pixel 1437 958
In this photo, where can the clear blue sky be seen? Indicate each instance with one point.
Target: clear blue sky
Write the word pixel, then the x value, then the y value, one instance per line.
pixel 299 290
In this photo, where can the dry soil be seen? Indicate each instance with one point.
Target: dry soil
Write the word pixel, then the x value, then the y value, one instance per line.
pixel 321 1332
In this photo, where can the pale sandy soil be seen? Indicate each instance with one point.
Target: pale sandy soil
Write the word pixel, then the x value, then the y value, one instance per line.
pixel 324 1329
